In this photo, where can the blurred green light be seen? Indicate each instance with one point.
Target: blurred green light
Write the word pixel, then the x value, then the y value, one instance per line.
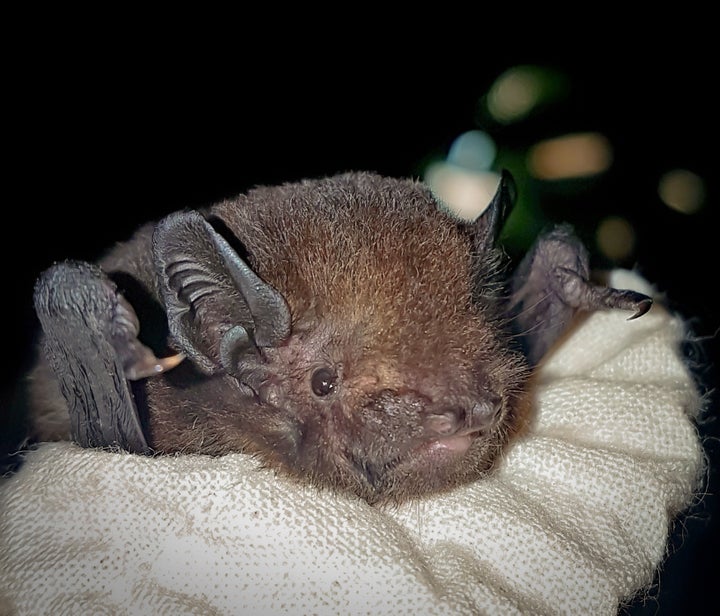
pixel 521 89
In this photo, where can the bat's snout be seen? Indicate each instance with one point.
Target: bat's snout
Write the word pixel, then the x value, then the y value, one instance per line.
pixel 463 419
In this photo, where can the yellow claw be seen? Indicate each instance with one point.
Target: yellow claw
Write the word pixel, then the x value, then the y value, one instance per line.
pixel 149 365
pixel 168 363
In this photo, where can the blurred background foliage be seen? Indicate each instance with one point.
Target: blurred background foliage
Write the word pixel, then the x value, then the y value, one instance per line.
pixel 622 147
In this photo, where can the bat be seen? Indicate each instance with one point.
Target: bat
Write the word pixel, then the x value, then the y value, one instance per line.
pixel 348 331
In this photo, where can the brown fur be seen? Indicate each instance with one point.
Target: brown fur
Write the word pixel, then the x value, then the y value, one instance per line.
pixel 391 294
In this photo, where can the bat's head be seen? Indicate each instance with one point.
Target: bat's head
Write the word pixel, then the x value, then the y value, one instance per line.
pixel 360 326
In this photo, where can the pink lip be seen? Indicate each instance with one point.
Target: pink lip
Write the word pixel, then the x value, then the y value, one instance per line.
pixel 457 444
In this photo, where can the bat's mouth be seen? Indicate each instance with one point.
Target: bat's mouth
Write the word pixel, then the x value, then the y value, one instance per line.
pixel 435 464
pixel 452 446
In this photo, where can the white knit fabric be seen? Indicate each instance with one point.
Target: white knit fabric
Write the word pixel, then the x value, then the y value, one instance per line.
pixel 574 522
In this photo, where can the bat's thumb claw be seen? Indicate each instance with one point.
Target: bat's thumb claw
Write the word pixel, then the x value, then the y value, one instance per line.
pixel 168 363
pixel 149 365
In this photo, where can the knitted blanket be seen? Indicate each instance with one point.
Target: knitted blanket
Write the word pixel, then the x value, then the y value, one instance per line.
pixel 574 521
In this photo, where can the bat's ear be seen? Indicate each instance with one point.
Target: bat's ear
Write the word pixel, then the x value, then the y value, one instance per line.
pixel 217 307
pixel 486 228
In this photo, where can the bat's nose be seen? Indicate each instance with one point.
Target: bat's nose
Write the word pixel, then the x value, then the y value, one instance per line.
pixel 463 419
pixel 445 416
pixel 443 424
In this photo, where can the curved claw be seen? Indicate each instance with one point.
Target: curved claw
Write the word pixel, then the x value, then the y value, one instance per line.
pixel 144 364
pixel 620 299
pixel 138 361
pixel 551 283
pixel 642 307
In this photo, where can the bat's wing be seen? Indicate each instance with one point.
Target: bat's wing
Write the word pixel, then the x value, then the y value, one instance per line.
pixel 552 283
pixel 219 313
pixel 90 341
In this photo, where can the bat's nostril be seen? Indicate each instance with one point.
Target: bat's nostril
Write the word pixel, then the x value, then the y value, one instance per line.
pixel 444 424
pixel 485 413
pixel 486 410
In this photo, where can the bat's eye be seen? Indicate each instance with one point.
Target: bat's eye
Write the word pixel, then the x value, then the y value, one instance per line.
pixel 323 381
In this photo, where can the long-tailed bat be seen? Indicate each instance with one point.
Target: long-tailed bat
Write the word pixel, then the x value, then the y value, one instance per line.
pixel 347 331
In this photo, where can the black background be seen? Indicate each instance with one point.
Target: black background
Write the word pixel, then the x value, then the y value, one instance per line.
pixel 101 138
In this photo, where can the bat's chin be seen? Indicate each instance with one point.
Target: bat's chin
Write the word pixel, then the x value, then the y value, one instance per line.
pixel 434 466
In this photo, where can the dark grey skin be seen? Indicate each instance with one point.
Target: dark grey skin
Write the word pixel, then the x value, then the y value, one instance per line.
pixel 347 331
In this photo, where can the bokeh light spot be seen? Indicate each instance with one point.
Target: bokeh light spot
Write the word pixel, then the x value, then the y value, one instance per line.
pixel 570 156
pixel 522 90
pixel 682 190
pixel 465 193
pixel 514 94
pixel 616 238
pixel 474 150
